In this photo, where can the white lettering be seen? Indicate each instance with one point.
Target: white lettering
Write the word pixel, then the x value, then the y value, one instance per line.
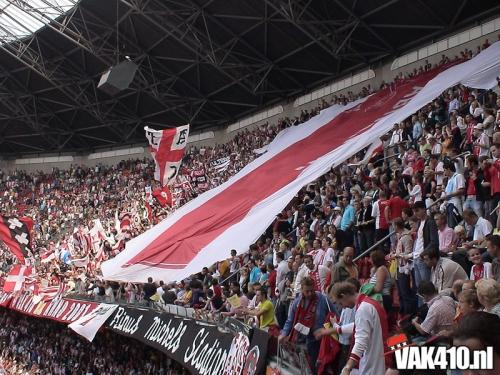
pixel 166 335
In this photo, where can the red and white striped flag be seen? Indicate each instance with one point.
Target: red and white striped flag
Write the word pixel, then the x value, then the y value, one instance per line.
pixel 31 284
pixel 237 212
pixel 50 292
pixel 16 277
pixel 125 220
pixel 47 256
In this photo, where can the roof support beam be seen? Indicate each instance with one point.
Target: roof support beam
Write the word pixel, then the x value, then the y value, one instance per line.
pixel 365 25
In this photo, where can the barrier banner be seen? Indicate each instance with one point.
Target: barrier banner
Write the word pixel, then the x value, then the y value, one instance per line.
pixel 201 347
pixel 62 310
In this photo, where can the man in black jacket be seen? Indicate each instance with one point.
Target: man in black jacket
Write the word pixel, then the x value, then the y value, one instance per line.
pixel 149 289
pixel 427 239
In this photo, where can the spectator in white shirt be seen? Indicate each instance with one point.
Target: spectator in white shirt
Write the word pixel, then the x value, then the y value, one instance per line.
pixel 436 147
pixel 397 136
pixel 281 267
pixel 489 122
pixel 482 142
pixel 482 228
pixel 318 254
pixel 160 290
pixel 455 188
pixel 437 166
pixel 329 253
pixel 475 109
pixel 454 104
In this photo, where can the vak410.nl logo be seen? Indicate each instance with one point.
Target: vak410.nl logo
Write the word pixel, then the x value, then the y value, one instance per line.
pixel 413 357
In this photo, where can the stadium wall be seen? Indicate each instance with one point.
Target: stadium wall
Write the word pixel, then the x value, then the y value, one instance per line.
pixel 272 115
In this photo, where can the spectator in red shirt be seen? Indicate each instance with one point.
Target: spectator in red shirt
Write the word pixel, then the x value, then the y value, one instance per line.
pixel 494 172
pixel 271 281
pixel 394 210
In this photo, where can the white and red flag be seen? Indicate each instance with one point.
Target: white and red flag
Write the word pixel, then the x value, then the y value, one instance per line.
pixel 16 234
pixel 237 212
pixel 16 278
pixel 47 256
pixel 50 292
pixel 167 148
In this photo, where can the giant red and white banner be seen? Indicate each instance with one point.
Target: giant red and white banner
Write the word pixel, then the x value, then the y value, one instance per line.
pixel 167 148
pixel 237 212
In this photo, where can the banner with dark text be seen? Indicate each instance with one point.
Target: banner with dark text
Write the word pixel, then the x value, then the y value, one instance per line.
pixel 202 348
pixel 220 165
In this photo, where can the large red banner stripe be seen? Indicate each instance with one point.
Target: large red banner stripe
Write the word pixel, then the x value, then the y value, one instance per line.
pixel 181 242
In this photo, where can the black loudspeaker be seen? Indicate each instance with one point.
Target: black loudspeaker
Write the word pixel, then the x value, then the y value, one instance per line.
pixel 118 77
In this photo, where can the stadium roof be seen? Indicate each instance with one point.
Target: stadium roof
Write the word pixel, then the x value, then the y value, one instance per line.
pixel 206 62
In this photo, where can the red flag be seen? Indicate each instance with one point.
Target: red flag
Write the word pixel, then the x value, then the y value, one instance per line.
pixel 329 349
pixel 149 211
pixel 16 277
pixel 16 233
pixel 163 196
pixel 167 148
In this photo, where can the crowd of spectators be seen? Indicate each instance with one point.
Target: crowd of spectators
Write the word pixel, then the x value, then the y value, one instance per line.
pixel 426 208
pixel 32 346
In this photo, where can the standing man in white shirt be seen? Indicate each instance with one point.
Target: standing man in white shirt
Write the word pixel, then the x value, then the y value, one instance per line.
pixel 317 253
pixel 454 103
pixel 160 290
pixel 455 188
pixel 482 142
pixel 281 267
pixel 427 238
pixel 370 330
pixel 437 166
pixel 436 147
pixel 328 259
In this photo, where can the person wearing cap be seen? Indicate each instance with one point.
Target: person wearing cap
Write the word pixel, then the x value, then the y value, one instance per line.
pixel 336 217
pixel 482 141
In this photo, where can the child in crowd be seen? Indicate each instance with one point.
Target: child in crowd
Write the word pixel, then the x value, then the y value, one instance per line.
pixel 480 269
